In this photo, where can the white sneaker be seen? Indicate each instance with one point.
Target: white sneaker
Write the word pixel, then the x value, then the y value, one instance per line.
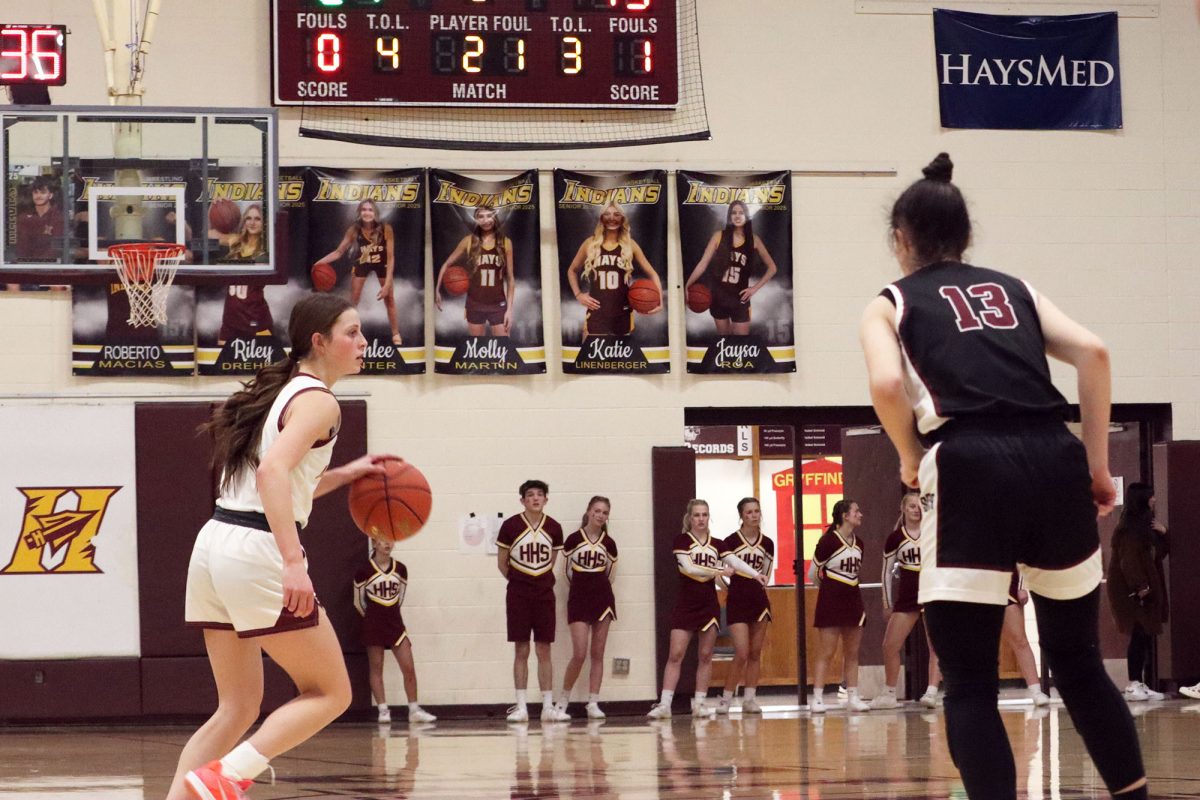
pixel 1040 699
pixel 702 709
pixel 1134 693
pixel 553 713
pixel 385 716
pixel 1151 694
pixel 518 714
pixel 885 700
pixel 855 703
pixel 419 714
pixel 594 712
pixel 929 699
pixel 816 704
pixel 842 693
pixel 1190 691
pixel 751 707
pixel 722 706
pixel 660 711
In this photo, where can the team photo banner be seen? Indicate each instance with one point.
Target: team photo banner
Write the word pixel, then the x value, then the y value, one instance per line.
pixel 612 259
pixel 488 286
pixel 1029 73
pixel 366 241
pixel 735 237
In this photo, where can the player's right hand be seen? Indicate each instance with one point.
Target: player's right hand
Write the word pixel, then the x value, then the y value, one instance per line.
pixel 298 594
pixel 908 473
pixel 1104 494
pixel 589 302
pixel 437 299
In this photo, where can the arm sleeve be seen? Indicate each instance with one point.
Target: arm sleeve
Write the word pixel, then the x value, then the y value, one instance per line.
pixel 814 573
pixel 889 577
pixel 740 566
pixel 360 598
pixel 688 567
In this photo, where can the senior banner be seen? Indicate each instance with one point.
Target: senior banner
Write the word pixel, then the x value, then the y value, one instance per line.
pixel 1025 72
pixel 735 235
pixel 612 262
pixel 488 289
pixel 68 532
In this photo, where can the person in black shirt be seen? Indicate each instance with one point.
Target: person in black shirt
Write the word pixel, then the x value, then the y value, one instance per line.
pixel 957 354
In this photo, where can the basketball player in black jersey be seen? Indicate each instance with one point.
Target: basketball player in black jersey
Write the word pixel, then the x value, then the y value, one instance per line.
pixel 372 246
pixel 956 356
pixel 606 259
pixel 737 250
pixel 489 262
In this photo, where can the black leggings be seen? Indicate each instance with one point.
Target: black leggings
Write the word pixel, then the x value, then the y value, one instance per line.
pixel 966 638
pixel 1137 657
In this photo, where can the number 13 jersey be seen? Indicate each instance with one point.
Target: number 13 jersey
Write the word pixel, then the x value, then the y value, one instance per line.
pixel 971 341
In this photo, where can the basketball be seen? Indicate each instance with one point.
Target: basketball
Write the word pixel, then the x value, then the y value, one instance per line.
pixel 393 505
pixel 456 281
pixel 644 295
pixel 324 277
pixel 224 216
pixel 699 298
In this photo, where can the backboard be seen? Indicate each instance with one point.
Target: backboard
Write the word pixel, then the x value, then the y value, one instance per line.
pixel 78 179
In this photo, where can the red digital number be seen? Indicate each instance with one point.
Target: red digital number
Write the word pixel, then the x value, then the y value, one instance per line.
pixel 631 5
pixel 50 54
pixel 38 56
pixel 21 53
pixel 329 52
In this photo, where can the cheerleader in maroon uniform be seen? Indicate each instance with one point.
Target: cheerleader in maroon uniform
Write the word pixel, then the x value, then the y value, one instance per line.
pixel 379 589
pixel 699 560
pixel 736 249
pixel 835 566
pixel 1013 633
pixel 901 577
pixel 591 560
pixel 747 609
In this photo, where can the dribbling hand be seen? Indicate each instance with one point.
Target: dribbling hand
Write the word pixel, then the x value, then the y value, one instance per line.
pixel 298 594
pixel 370 464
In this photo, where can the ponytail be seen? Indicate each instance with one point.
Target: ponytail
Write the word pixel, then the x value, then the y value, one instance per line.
pixel 840 509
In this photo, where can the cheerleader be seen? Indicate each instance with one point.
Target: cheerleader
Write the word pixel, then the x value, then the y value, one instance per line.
pixel 840 613
pixel 747 609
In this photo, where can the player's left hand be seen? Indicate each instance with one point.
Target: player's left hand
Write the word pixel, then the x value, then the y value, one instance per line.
pixel 385 289
pixel 508 319
pixel 656 309
pixel 747 293
pixel 908 473
pixel 370 464
pixel 762 579
pixel 1104 494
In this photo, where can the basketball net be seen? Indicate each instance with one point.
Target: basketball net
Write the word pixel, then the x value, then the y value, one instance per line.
pixel 146 270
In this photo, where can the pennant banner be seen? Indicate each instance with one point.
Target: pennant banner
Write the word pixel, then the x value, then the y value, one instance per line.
pixel 735 236
pixel 612 256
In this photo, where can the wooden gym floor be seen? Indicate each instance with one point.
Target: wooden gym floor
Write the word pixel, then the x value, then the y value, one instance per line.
pixel 782 755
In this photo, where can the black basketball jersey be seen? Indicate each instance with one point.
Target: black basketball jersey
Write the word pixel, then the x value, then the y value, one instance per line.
pixel 609 284
pixel 972 345
pixel 736 275
pixel 370 252
pixel 487 281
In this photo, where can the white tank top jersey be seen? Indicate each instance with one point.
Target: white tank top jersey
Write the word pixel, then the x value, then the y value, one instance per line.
pixel 242 495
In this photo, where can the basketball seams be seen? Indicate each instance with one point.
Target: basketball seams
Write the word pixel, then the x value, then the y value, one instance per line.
pixel 394 504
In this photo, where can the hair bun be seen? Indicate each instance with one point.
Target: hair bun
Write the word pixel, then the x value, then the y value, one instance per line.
pixel 940 169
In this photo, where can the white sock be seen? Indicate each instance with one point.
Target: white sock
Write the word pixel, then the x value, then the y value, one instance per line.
pixel 852 692
pixel 594 699
pixel 748 693
pixel 414 706
pixel 1034 688
pixel 547 699
pixel 243 763
pixel 889 690
pixel 667 696
pixel 727 695
pixel 382 706
pixel 521 698
pixel 818 694
pixel 931 689
pixel 699 697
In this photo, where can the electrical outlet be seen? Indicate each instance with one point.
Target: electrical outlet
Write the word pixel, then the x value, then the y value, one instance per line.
pixel 620 666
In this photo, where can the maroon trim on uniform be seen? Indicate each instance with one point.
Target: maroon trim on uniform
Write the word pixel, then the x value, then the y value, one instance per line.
pixel 322 388
pixel 212 626
pixel 937 403
pixel 287 622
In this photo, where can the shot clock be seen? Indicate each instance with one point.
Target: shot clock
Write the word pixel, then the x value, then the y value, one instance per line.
pixel 33 55
pixel 498 53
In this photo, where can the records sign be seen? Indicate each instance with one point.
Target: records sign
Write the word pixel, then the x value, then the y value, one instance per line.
pixel 612 256
pixel 735 232
pixel 488 289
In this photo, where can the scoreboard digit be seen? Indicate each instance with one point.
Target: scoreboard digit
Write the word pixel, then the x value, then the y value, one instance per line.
pixel 33 55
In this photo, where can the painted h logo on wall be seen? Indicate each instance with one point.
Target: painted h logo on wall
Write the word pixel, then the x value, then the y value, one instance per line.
pixel 57 530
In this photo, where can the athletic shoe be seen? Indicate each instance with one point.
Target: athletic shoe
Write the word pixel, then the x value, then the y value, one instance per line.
pixel 1040 699
pixel 552 713
pixel 385 716
pixel 929 699
pixel 1151 694
pixel 1190 691
pixel 722 706
pixel 816 704
pixel 702 709
pixel 1134 693
pixel 842 693
pixel 419 714
pixel 594 712
pixel 751 706
pixel 660 711
pixel 885 700
pixel 209 783
pixel 518 714
pixel 855 703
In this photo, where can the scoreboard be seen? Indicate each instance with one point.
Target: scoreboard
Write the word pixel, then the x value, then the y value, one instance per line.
pixel 33 55
pixel 498 53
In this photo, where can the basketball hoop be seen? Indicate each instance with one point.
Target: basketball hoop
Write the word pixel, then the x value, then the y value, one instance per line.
pixel 146 270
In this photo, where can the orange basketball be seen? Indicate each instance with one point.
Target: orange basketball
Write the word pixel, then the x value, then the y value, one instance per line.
pixel 456 281
pixel 224 216
pixel 324 277
pixel 393 505
pixel 644 295
pixel 699 298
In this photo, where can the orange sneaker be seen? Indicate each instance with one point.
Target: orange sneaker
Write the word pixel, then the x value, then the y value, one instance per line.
pixel 208 783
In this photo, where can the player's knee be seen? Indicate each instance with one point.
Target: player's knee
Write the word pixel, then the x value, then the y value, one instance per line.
pixel 239 714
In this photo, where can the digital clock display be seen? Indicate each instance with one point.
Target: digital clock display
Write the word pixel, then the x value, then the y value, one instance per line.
pixel 582 53
pixel 33 54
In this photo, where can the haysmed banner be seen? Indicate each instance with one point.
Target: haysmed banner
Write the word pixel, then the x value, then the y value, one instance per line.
pixel 735 235
pixel 488 290
pixel 612 259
